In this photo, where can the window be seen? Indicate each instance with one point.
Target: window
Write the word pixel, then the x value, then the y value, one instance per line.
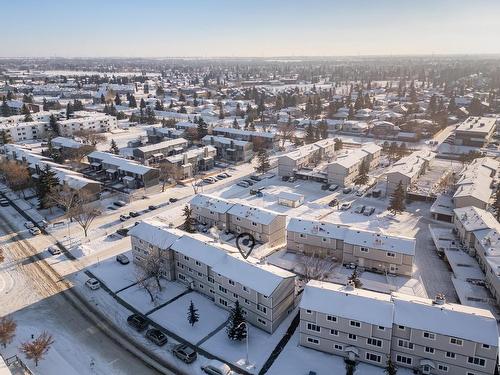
pixel 355 323
pixel 402 328
pixel 374 342
pixel 455 341
pixel 334 332
pixel 313 327
pixel 201 286
pixel 450 355
pixel 212 291
pixel 429 350
pixel 222 289
pixel 211 279
pixel 470 373
pixel 477 361
pixel 254 223
pixel 486 346
pixel 392 255
pixel 247 301
pixel 429 335
pixel 235 295
pixel 373 357
pixel 223 302
pixel 331 318
pixel 403 359
pixel 262 308
pixel 231 282
pixel 246 289
pixel 380 328
pixel 324 239
pixel 181 276
pixel 309 311
pixel 363 249
pixel 200 274
pixel 313 341
pixel 198 263
pixel 442 367
pixel 261 321
pixel 352 337
pixel 186 257
pixel 405 344
pixel 302 235
pixel 338 347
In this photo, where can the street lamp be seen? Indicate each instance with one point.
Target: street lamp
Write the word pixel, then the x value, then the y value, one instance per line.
pixel 247 362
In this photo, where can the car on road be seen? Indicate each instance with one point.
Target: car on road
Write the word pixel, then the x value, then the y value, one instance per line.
pixel 122 259
pixel 124 217
pixel 369 211
pixel 92 283
pixel 152 207
pixel 333 187
pixel 214 367
pixel 122 232
pixel 184 353
pixel 345 206
pixel 173 200
pixel 29 224
pixel 120 203
pixel 243 184
pixel 35 231
pixel 4 202
pixel 54 250
pixel 359 209
pixel 333 202
pixel 138 321
pixel 134 214
pixel 156 336
pixel 292 179
pixel 256 178
pixel 346 190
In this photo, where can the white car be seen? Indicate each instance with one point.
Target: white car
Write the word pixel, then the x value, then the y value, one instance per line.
pixel 345 206
pixel 215 367
pixel 54 250
pixel 35 231
pixel 93 283
pixel 124 217
pixel 29 224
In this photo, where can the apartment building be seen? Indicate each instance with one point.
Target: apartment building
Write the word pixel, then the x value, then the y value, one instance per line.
pixel 370 250
pixel 156 134
pixel 307 156
pixel 115 169
pixel 210 211
pixel 408 169
pixel 25 131
pixel 266 293
pixel 230 150
pixel 266 140
pixel 189 163
pixel 475 131
pixel 92 122
pixel 427 336
pixel 157 151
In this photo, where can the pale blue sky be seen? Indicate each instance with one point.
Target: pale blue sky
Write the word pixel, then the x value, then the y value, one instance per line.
pixel 162 28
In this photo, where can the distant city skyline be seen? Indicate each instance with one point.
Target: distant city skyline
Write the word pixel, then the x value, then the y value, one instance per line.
pixel 258 28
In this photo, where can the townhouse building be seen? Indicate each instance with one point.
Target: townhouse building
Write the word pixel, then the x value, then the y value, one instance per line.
pixel 424 335
pixel 265 139
pixel 266 293
pixel 155 152
pixel 230 150
pixel 475 131
pixel 369 250
pixel 408 169
pixel 210 211
pixel 189 163
pixel 92 122
pixel 156 134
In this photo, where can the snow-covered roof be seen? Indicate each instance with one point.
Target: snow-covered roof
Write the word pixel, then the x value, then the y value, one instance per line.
pixel 212 203
pixel 477 124
pixel 290 196
pixel 465 322
pixel 223 140
pixel 375 240
pixel 257 214
pixel 164 144
pixel 473 218
pixel 66 142
pixel 244 132
pixel 156 233
pixel 317 228
pixel 356 304
pixel 120 163
pixel 412 164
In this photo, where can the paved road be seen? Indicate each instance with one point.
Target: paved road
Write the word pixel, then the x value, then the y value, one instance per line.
pixel 35 302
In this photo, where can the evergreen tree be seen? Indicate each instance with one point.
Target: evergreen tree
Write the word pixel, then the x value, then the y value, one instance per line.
pixel 390 368
pixel 159 105
pixel 397 204
pixel 4 137
pixel 235 329
pixel 339 145
pixel 143 104
pixel 221 111
pixel 193 316
pixel 235 124
pixel 103 99
pixel 114 148
pixel 310 134
pixel 323 129
pixel 54 127
pixel 10 95
pixel 47 182
pixel 5 108
pixel 118 101
pixel 27 114
pixel 188 219
pixel 496 205
pixel 202 128
pixel 69 110
pixel 475 107
pixel 182 109
pixel 350 116
pixel 132 103
pixel 262 161
pixel 452 106
pixel 362 178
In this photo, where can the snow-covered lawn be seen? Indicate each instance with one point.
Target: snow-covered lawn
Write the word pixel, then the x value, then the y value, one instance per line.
pixel 260 345
pixel 140 299
pixel 174 317
pixel 115 275
pixel 295 359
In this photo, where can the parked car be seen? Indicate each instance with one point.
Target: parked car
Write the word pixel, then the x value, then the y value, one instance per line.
pixel 226 174
pixel 243 184
pixel 4 202
pixel 124 217
pixel 292 179
pixel 122 232
pixel 152 207
pixel 120 203
pixel 345 206
pixel 173 200
pixel 215 367
pixel 185 353
pixel 256 178
pixel 35 231
pixel 325 186
pixel 359 209
pixel 360 192
pixel 368 211
pixel 285 178
pixel 333 202
pixel 54 250
pixel 138 321
pixel 221 176
pixel 208 181
pixel 92 283
pixel 346 190
pixel 122 259
pixel 333 187
pixel 249 182
pixel 112 208
pixel 29 224
pixel 156 336
pixel 134 214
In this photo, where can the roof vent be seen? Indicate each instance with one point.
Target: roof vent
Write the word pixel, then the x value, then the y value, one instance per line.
pixel 439 299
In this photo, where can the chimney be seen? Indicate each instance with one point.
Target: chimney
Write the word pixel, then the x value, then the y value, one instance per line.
pixel 439 299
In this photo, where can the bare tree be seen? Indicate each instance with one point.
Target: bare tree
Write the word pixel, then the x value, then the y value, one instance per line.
pixel 145 282
pixel 7 330
pixel 153 267
pixel 316 268
pixel 16 175
pixel 37 348
pixel 168 171
pixel 64 197
pixel 286 132
pixel 76 155
pixel 2 257
pixel 83 213
pixel 90 138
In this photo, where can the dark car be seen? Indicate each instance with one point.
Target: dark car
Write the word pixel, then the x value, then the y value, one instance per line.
pixel 285 178
pixel 156 336
pixel 134 214
pixel 333 202
pixel 250 182
pixel 152 207
pixel 4 202
pixel 256 178
pixel 173 200
pixel 119 203
pixel 325 186
pixel 138 321
pixel 122 259
pixel 185 353
pixel 122 232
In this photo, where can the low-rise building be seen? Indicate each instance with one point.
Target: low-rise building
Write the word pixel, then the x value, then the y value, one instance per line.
pixel 306 156
pixel 187 164
pixel 408 169
pixel 265 139
pixel 229 149
pixel 155 152
pixel 91 122
pixel 475 131
pixel 290 199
